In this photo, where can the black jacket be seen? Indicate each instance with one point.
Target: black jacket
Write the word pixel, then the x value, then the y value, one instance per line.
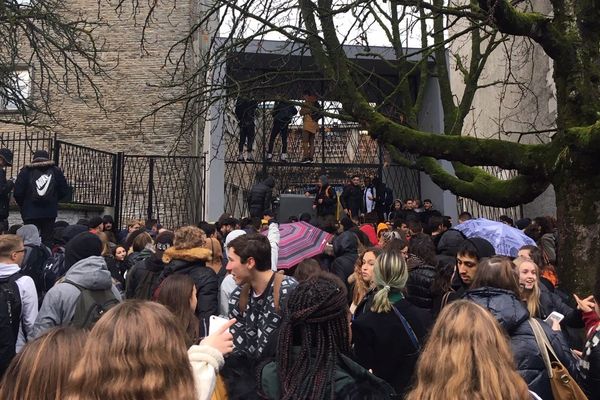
pixel 513 317
pixel 192 262
pixel 283 113
pixel 259 197
pixel 5 188
pixel 345 249
pixel 152 265
pixel 329 203
pixel 24 189
pixel 420 278
pixel 591 355
pixel 550 301
pixel 381 342
pixel 351 199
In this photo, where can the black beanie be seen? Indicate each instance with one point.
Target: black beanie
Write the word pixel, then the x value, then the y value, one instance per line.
pixel 94 222
pixel 483 248
pixel 82 246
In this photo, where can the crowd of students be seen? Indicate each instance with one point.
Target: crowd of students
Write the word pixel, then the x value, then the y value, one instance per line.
pixel 390 311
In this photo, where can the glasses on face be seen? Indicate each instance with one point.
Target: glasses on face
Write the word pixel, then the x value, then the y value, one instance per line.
pixel 19 251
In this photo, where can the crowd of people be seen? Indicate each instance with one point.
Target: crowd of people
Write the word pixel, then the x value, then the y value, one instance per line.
pixel 399 305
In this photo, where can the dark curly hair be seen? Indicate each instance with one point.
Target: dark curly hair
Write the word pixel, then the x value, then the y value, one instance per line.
pixel 316 321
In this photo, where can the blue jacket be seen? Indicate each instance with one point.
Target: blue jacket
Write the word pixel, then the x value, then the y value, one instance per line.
pixel 513 316
pixel 31 209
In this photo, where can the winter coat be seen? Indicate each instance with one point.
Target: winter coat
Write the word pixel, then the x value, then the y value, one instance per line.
pixel 310 117
pixel 5 188
pixel 259 197
pixel 382 344
pixel 345 249
pixel 192 262
pixel 59 303
pixel 206 362
pixel 31 209
pixel 513 317
pixel 329 204
pixel 245 110
pixel 283 113
pixel 550 301
pixel 348 378
pixel 153 265
pixel 420 278
pixel 29 303
pixel 351 199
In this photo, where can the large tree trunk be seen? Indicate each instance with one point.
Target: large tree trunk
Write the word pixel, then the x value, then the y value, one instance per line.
pixel 578 215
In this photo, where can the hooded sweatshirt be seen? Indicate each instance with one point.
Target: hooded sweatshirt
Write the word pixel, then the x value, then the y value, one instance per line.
pixel 345 249
pixel 29 303
pixel 30 235
pixel 59 303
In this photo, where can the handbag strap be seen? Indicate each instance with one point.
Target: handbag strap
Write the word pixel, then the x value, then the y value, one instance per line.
pixel 408 328
pixel 544 345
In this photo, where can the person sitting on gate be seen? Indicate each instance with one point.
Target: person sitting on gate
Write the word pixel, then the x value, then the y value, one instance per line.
pixel 67 302
pixel 261 293
pixel 18 299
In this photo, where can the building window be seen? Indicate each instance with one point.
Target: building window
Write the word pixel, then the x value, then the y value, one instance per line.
pixel 16 90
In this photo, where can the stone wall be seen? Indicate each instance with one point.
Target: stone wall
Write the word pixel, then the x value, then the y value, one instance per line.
pixel 130 91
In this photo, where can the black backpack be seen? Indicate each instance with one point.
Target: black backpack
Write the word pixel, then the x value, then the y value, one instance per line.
pixel 42 184
pixel 54 269
pixel 33 266
pixel 91 305
pixel 144 289
pixel 10 319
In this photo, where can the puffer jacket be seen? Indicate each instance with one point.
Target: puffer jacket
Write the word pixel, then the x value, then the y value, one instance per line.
pixel 420 278
pixel 513 317
pixel 192 262
pixel 260 196
pixel 345 249
pixel 59 303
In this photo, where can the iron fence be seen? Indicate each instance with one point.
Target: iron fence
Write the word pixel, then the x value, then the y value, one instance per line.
pixel 90 173
pixel 166 188
pixel 23 145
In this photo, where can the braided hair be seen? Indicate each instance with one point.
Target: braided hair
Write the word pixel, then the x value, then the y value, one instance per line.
pixel 316 321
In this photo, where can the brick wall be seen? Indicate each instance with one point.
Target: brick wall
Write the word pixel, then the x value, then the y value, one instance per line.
pixel 130 91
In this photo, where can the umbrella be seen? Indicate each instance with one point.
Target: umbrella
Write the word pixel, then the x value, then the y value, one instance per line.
pixel 506 240
pixel 299 241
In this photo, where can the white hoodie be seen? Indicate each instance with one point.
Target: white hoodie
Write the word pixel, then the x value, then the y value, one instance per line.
pixel 29 303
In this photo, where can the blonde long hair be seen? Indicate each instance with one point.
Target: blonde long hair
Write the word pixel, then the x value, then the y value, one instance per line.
pixel 391 274
pixel 41 370
pixel 467 356
pixel 136 351
pixel 530 297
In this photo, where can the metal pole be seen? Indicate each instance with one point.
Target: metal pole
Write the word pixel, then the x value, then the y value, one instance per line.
pixel 117 190
pixel 150 187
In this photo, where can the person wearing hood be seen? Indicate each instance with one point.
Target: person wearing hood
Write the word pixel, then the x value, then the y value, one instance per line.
pixel 325 202
pixel 6 186
pixel 345 249
pixel 369 230
pixel 144 275
pixel 188 256
pixel 85 268
pixel 24 307
pixel 38 189
pixel 260 197
pixel 495 287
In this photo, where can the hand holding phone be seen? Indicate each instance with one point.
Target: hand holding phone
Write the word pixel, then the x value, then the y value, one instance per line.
pixel 554 320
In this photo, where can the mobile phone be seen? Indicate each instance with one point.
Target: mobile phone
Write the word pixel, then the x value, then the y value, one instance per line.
pixel 215 322
pixel 554 316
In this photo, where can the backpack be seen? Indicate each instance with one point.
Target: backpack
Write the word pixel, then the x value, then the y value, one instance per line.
pixel 10 319
pixel 143 290
pixel 33 266
pixel 91 305
pixel 42 184
pixel 54 269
